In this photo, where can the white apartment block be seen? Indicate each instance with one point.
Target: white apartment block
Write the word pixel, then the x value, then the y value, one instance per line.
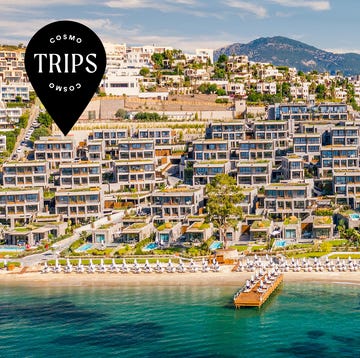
pixel 121 83
pixel 301 91
pixel 10 92
pixel 8 116
pixel 266 87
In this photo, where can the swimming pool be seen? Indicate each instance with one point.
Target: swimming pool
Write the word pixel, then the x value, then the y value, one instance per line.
pixel 355 216
pixel 151 246
pixel 215 245
pixel 84 247
pixel 281 243
pixel 9 248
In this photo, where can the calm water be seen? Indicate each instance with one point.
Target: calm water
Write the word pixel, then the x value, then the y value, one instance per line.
pixel 303 320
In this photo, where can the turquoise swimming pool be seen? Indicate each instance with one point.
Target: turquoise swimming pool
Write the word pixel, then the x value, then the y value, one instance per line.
pixel 151 246
pixel 10 248
pixel 281 243
pixel 215 245
pixel 84 247
pixel 355 216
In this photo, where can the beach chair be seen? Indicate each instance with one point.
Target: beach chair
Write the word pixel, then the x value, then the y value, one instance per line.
pixel 68 268
pixel 192 266
pixel 114 267
pixel 136 268
pixel 147 268
pixel 158 267
pixel 46 268
pixel 80 267
pixel 91 268
pixel 170 267
pixel 124 267
pixel 57 268
pixel 181 267
pixel 102 267
pixel 204 266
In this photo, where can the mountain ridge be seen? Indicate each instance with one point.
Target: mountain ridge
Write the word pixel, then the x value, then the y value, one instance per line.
pixel 283 51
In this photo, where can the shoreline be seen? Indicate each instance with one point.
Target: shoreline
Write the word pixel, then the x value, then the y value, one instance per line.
pixel 223 278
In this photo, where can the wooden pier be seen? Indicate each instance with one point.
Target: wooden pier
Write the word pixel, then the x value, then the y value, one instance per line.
pixel 256 296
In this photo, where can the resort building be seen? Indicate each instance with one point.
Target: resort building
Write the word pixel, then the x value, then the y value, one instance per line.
pixel 111 137
pixel 79 204
pixel 323 227
pixel 292 167
pixel 233 132
pixel 346 187
pixel 162 136
pixel 18 206
pixel 107 233
pixel 338 157
pixel 26 174
pixel 137 149
pixel 307 145
pixel 210 149
pixel 285 199
pixel 199 231
pixel 96 150
pixel 206 170
pixel 277 131
pixel 254 172
pixel 177 203
pixel 77 174
pixel 257 150
pixel 136 232
pixel 291 228
pixel 168 233
pixel 346 136
pixel 135 175
pixel 55 150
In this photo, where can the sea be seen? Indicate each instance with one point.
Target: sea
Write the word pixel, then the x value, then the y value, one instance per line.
pixel 299 320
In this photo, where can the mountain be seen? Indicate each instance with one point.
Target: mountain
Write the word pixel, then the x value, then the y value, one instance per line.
pixel 282 51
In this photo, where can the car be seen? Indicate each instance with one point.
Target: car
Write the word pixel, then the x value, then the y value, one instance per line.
pixel 19 149
pixel 27 137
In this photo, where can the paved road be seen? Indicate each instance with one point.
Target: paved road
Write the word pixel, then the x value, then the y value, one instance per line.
pixel 34 113
pixel 63 244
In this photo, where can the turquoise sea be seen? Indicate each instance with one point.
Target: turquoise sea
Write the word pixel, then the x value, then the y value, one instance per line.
pixel 301 320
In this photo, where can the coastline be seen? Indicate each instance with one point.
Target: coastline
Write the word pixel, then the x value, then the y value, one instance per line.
pixel 223 278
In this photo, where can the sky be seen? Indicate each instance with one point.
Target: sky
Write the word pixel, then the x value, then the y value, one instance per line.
pixel 189 24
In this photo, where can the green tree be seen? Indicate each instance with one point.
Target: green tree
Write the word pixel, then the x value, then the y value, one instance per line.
pixel 144 71
pixel 42 131
pixel 223 206
pixel 45 119
pixel 320 92
pixel 122 113
pixel 23 120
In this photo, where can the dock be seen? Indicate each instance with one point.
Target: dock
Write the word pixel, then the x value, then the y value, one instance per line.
pixel 255 294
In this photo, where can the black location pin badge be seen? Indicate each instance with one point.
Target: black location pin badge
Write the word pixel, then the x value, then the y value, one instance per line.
pixel 65 62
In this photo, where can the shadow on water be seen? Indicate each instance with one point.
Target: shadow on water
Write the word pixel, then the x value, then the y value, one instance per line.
pixel 53 311
pixel 118 335
pixel 305 349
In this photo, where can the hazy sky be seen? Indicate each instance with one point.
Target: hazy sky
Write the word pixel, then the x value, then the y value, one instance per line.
pixel 189 24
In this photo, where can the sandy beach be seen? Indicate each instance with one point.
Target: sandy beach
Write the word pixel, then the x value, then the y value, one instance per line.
pixel 223 278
